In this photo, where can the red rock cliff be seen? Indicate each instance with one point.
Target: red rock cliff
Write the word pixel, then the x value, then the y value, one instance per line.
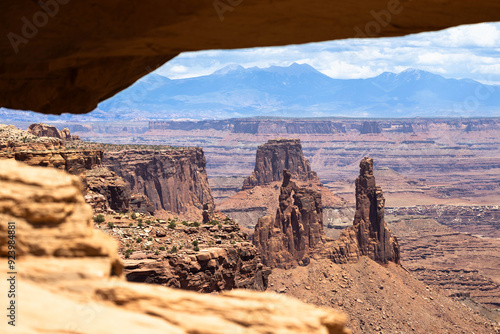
pixel 174 180
pixel 275 156
pixel 296 229
pixel 369 234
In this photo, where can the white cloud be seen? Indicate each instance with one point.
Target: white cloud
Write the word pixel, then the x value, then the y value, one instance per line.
pixel 462 52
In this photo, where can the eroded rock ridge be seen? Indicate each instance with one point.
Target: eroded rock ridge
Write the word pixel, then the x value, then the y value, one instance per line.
pixel 296 232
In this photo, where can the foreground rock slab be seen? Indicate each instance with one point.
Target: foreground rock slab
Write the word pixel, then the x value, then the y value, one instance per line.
pixel 66 264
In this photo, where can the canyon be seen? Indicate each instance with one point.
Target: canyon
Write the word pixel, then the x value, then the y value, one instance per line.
pixel 149 182
pixel 66 260
pixel 311 225
pixel 76 267
pixel 296 232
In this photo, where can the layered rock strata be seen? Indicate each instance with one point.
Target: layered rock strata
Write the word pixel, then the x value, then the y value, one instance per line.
pixel 102 181
pixel 204 257
pixel 45 130
pixel 275 156
pixel 73 161
pixel 369 235
pixel 212 269
pixel 75 267
pixel 297 230
pixel 370 127
pixel 174 180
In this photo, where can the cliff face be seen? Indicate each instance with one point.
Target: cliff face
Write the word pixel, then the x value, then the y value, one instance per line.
pixel 275 156
pixel 296 229
pixel 106 183
pixel 72 161
pixel 254 126
pixel 174 180
pixel 370 127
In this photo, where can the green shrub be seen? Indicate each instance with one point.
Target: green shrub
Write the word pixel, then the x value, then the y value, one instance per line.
pixel 99 219
pixel 148 221
pixel 174 249
pixel 133 215
pixel 130 224
pixel 195 243
pixel 140 224
pixel 172 224
pixel 150 239
pixel 220 226
pixel 162 248
pixel 156 252
pixel 110 225
pixel 232 235
pixel 233 242
pixel 128 252
pixel 185 223
pixel 196 224
pixel 196 248
pixel 138 240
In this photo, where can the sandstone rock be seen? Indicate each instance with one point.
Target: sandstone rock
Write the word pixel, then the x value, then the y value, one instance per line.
pixel 369 234
pixel 73 161
pixel 141 203
pixel 370 127
pixel 102 181
pixel 212 269
pixel 13 139
pixel 50 215
pixel 65 134
pixel 91 60
pixel 44 130
pixel 67 262
pixel 174 180
pixel 97 202
pixel 296 229
pixel 275 156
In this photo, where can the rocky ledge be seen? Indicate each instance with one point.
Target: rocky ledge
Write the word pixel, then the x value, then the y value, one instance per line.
pixel 206 257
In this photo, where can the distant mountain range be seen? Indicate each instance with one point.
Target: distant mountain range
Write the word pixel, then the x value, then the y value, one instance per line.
pixel 299 90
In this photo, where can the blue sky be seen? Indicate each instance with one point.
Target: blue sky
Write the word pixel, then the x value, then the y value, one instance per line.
pixel 471 51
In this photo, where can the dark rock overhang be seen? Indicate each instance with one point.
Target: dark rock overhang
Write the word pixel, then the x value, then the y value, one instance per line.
pixel 61 56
